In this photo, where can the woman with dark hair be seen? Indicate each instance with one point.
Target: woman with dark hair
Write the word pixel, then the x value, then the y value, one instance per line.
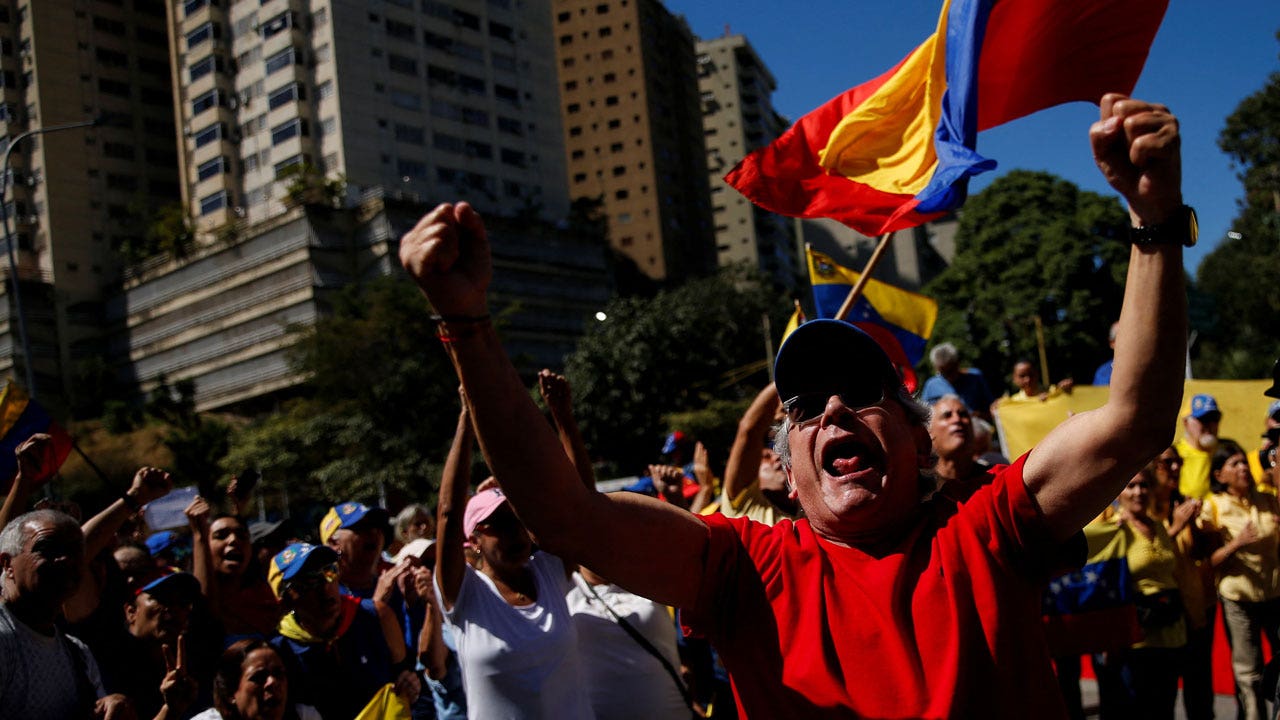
pixel 251 684
pixel 1247 565
pixel 230 576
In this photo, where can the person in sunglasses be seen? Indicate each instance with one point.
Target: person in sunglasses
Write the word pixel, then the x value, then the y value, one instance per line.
pixel 339 650
pixel 874 604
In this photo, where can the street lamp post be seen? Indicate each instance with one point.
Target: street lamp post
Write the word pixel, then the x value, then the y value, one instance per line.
pixel 5 181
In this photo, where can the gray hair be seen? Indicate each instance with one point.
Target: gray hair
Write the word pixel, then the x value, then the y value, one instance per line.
pixel 944 354
pixel 19 530
pixel 917 414
pixel 406 516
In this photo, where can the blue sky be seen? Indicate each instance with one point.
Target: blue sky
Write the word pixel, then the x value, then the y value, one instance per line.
pixel 1206 57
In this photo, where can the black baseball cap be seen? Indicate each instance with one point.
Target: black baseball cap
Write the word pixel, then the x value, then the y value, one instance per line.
pixel 826 355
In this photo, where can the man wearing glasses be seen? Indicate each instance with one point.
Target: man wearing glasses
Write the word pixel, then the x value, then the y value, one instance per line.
pixel 874 604
pixel 339 650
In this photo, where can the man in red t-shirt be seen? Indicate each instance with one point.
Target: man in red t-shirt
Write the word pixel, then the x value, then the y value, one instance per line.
pixel 876 603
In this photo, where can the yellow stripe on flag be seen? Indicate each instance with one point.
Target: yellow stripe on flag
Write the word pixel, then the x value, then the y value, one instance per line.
pixel 910 311
pixel 13 402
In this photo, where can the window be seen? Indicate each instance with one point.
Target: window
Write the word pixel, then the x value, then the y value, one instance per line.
pixel 285 95
pixel 204 66
pixel 476 149
pixel 402 64
pixel 566 39
pixel 572 108
pixel 328 126
pixel 503 62
pixel 204 33
pixel 281 60
pixel 287 163
pixel 400 30
pixel 213 203
pixel 204 101
pixel 465 19
pixel 411 134
pixel 119 151
pixel 511 126
pixel 216 166
pixel 209 134
pixel 190 7
pixel 325 89
pixel 115 27
pixel 502 32
pixel 611 100
pixel 619 170
pixel 506 93
pixel 412 169
pixel 290 129
pixel 402 99
pixel 111 58
pixel 513 157
pixel 278 24
pixel 114 87
pixel 606 31
pixel 448 143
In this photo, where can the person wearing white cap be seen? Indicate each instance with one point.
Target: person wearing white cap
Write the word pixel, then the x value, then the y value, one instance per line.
pixel 874 604
pixel 516 642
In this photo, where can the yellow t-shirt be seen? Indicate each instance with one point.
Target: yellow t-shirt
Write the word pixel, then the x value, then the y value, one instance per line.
pixel 1194 481
pixel 751 503
pixel 1152 568
pixel 1252 573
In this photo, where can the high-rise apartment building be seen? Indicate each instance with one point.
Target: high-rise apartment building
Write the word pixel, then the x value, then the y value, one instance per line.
pixel 633 130
pixel 78 196
pixel 435 99
pixel 738 117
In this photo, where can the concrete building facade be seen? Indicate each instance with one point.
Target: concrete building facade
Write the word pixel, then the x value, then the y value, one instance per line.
pixel 633 130
pixel 738 117
pixel 77 197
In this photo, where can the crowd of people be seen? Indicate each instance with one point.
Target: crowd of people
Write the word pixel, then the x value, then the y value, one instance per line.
pixel 862 552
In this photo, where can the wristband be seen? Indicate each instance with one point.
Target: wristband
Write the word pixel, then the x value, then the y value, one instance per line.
pixel 460 319
pixel 130 502
pixel 452 330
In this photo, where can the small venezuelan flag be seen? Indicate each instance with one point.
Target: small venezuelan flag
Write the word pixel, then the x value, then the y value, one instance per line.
pixel 20 418
pixel 899 150
pixel 900 320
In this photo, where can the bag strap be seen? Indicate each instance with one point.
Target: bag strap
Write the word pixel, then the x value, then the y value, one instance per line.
pixel 642 641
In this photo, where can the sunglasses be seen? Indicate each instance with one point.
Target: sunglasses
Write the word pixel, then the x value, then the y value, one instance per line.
pixel 807 407
pixel 315 580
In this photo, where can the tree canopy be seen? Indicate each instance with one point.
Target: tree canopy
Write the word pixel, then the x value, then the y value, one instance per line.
pixel 674 352
pixel 1239 274
pixel 1033 245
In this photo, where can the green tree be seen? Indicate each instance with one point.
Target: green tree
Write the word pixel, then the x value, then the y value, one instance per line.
pixel 668 354
pixel 1240 272
pixel 378 408
pixel 1033 245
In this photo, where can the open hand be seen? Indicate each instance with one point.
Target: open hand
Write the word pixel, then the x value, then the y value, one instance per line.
pixel 447 254
pixel 114 707
pixel 702 465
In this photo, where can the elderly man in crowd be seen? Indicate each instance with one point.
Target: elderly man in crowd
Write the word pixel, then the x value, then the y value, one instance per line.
pixel 874 604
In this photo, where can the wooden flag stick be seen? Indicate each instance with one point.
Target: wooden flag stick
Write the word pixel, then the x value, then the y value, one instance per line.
pixel 1044 356
pixel 856 291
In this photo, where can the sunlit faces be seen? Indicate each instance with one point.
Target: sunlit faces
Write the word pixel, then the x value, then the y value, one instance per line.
pixel 855 471
pixel 1168 470
pixel 229 544
pixel 951 428
pixel 1235 474
pixel 264 686
pixel 161 618
pixel 50 563
pixel 359 550
pixel 502 539
pixel 1025 378
pixel 771 476
pixel 1136 495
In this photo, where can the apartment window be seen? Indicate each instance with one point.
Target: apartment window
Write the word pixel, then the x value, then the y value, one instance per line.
pixel 206 170
pixel 213 203
pixel 402 64
pixel 579 177
pixel 575 131
pixel 278 24
pixel 502 61
pixel 577 155
pixel 615 124
pixel 572 108
pixel 605 31
pixel 190 7
pixel 564 16
pixel 465 19
pixel 411 134
pixel 506 93
pixel 320 17
pixel 109 26
pixel 291 129
pixel 204 101
pixel 610 77
pixel 437 9
pixel 619 170
pixel 412 169
pixel 400 30
pixel 328 126
pixel 111 58
pixel 513 157
pixel 204 33
pixel 615 147
pixel 285 95
pixel 611 100
pixel 244 25
pixel 251 163
pixel 405 100
pixel 324 53
pixel 510 126
pixel 621 195
pixel 472 116
pixel 502 32
pixel 114 87
pixel 204 66
pixel 281 60
pixel 602 8
pixel 287 163
pixel 566 39
pixel 209 134
pixel 325 89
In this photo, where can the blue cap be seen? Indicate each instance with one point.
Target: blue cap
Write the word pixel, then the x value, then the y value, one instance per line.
pixel 161 541
pixel 1203 406
pixel 170 584
pixel 824 354
pixel 348 514
pixel 1273 411
pixel 290 561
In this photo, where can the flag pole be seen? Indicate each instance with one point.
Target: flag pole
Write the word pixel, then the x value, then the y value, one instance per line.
pixel 101 475
pixel 856 292
pixel 1044 356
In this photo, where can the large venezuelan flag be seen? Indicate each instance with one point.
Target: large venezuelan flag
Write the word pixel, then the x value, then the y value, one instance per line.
pixel 898 151
pixel 900 320
pixel 20 418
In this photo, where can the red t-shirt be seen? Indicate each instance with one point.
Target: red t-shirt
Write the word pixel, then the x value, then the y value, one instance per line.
pixel 946 625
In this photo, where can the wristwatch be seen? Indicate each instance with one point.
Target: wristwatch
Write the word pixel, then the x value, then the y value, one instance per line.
pixel 1180 229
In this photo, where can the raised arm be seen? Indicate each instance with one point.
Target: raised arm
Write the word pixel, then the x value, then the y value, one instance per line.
pixel 197 513
pixel 743 467
pixel 559 399
pixel 447 253
pixel 35 467
pixel 1084 462
pixel 149 484
pixel 451 561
